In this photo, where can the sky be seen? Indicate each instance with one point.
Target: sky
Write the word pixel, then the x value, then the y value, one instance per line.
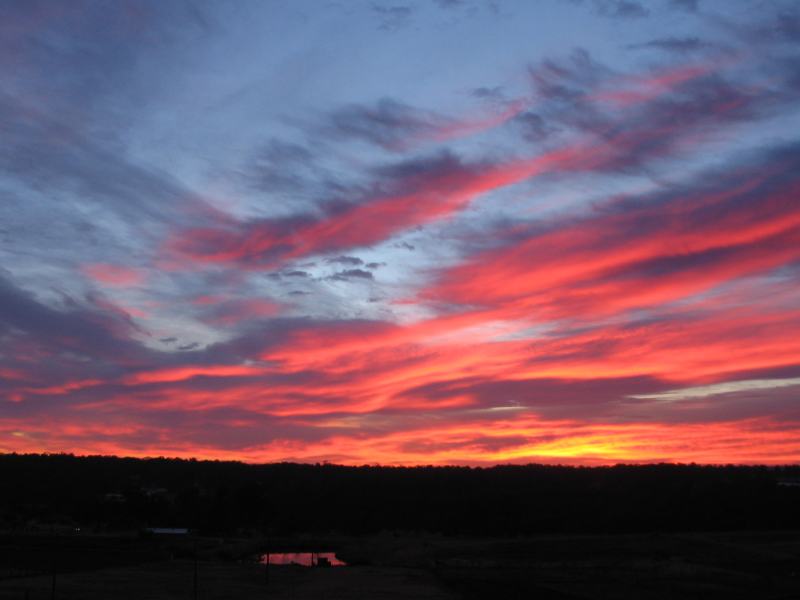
pixel 401 232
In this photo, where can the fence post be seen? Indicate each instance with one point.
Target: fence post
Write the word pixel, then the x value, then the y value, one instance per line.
pixel 196 591
pixel 53 584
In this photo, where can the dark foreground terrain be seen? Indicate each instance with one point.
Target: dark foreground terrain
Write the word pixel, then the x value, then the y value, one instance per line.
pixel 763 565
pixel 91 528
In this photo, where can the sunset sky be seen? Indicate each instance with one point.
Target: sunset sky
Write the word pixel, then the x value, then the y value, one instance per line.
pixel 401 232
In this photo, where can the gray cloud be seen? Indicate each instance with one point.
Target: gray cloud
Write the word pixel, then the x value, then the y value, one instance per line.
pixel 627 9
pixel 392 18
pixel 687 5
pixel 489 93
pixel 349 274
pixel 80 328
pixel 345 260
pixel 534 128
pixel 674 44
pixel 389 124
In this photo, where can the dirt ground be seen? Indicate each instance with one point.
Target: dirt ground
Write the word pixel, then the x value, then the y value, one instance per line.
pixel 174 580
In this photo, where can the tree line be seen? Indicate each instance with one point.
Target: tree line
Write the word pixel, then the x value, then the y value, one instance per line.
pixel 221 498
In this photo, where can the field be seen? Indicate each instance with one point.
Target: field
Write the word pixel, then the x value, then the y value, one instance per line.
pixel 764 565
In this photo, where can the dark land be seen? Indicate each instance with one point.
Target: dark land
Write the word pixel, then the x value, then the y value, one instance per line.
pixel 77 528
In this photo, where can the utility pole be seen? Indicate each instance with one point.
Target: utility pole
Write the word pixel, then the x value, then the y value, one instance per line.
pixel 266 570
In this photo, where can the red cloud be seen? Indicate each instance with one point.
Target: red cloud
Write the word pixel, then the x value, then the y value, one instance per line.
pixel 636 257
pixel 113 275
pixel 443 190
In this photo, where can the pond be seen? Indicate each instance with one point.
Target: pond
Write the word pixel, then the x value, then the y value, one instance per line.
pixel 305 559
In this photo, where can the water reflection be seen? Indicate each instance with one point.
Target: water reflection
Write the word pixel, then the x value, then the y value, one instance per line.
pixel 306 559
